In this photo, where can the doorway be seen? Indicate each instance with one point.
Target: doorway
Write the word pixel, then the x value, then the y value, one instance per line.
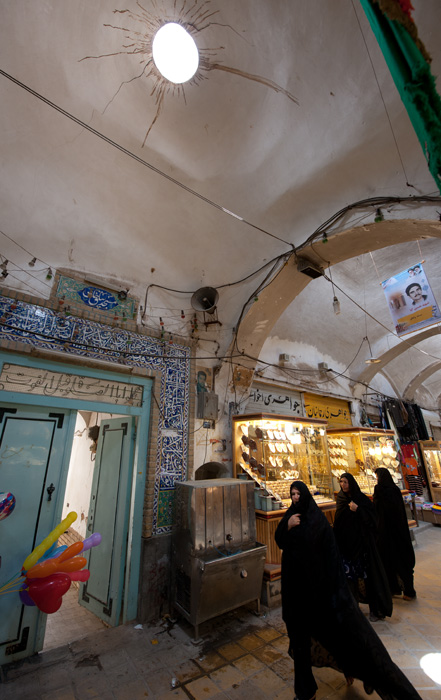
pixel 59 424
pixel 74 620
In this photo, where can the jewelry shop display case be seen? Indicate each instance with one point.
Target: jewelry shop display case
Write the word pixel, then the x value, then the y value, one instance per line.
pixel 431 452
pixel 275 450
pixel 360 451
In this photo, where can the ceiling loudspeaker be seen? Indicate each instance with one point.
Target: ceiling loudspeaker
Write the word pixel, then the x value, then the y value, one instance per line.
pixel 205 299
pixel 309 268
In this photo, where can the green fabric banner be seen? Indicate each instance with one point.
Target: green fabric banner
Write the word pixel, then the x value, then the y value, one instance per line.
pixel 414 81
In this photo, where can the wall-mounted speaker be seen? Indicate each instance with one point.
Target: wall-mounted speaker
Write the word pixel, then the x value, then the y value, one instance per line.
pixel 205 299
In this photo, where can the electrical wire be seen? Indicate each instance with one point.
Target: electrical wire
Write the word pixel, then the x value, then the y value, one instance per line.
pixel 139 160
pixel 217 286
pixel 20 246
pixel 17 268
pixel 401 340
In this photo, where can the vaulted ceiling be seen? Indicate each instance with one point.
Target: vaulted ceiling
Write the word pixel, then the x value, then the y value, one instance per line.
pixel 293 116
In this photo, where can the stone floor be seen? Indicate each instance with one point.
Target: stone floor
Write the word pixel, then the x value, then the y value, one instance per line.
pixel 240 656
pixel 70 622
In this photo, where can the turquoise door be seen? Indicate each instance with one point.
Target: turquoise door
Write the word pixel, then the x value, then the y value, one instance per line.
pixel 109 515
pixel 33 443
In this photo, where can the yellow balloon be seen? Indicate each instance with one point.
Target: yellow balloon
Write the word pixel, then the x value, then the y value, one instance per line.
pixel 48 541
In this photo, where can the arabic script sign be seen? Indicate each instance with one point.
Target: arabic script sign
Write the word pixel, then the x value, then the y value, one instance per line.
pixel 335 411
pixel 269 400
pixel 32 380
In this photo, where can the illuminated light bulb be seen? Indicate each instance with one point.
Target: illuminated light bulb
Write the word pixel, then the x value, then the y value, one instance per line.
pixel 175 53
pixel 371 451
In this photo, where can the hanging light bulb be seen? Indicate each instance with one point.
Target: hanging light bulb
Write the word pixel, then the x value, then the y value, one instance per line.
pixel 336 306
pixel 4 264
pixel 32 262
pixel 49 274
pixel 371 360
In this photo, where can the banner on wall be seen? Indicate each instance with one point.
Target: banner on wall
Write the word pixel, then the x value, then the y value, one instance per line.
pixel 410 300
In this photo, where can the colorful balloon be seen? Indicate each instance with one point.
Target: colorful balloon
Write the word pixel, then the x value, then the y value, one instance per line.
pixel 7 504
pixel 73 564
pixel 91 541
pixel 53 566
pixel 71 551
pixel 53 536
pixel 25 597
pixel 47 592
pixel 82 575
pixel 46 568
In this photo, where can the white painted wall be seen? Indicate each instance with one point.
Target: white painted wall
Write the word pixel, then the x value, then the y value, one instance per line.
pixel 79 479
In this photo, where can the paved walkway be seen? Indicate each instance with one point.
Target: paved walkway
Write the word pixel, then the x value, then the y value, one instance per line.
pixel 241 656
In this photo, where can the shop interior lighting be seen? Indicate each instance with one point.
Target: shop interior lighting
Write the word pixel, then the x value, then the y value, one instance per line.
pixel 175 53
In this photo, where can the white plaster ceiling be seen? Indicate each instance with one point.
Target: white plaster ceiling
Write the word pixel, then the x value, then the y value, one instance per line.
pixel 284 164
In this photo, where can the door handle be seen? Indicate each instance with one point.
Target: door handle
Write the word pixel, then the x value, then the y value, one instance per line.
pixel 50 489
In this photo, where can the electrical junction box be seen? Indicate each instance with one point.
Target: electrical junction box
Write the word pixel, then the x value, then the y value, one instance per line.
pixel 284 357
pixel 323 366
pixel 309 268
pixel 207 405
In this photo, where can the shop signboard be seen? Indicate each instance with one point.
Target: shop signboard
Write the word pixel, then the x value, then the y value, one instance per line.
pixel 336 411
pixel 269 399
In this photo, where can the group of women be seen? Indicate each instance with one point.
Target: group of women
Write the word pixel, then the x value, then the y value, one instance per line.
pixel 327 571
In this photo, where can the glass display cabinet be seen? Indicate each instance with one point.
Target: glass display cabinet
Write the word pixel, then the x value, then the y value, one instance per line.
pixel 275 450
pixel 360 451
pixel 431 451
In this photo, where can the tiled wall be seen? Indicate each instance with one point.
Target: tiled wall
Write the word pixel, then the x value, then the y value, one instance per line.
pixel 29 323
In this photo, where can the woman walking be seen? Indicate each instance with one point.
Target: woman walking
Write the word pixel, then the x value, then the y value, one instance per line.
pixel 355 529
pixel 394 543
pixel 320 612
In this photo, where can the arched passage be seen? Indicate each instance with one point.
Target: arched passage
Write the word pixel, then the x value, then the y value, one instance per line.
pixel 261 317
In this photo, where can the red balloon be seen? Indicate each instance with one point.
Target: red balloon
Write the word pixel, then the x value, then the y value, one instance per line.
pixel 47 592
pixel 79 575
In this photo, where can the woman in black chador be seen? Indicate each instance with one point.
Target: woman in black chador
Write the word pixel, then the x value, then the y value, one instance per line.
pixel 394 543
pixel 325 625
pixel 355 529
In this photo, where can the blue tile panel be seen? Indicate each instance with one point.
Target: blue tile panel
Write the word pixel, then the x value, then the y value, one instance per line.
pixel 43 328
pixel 95 298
